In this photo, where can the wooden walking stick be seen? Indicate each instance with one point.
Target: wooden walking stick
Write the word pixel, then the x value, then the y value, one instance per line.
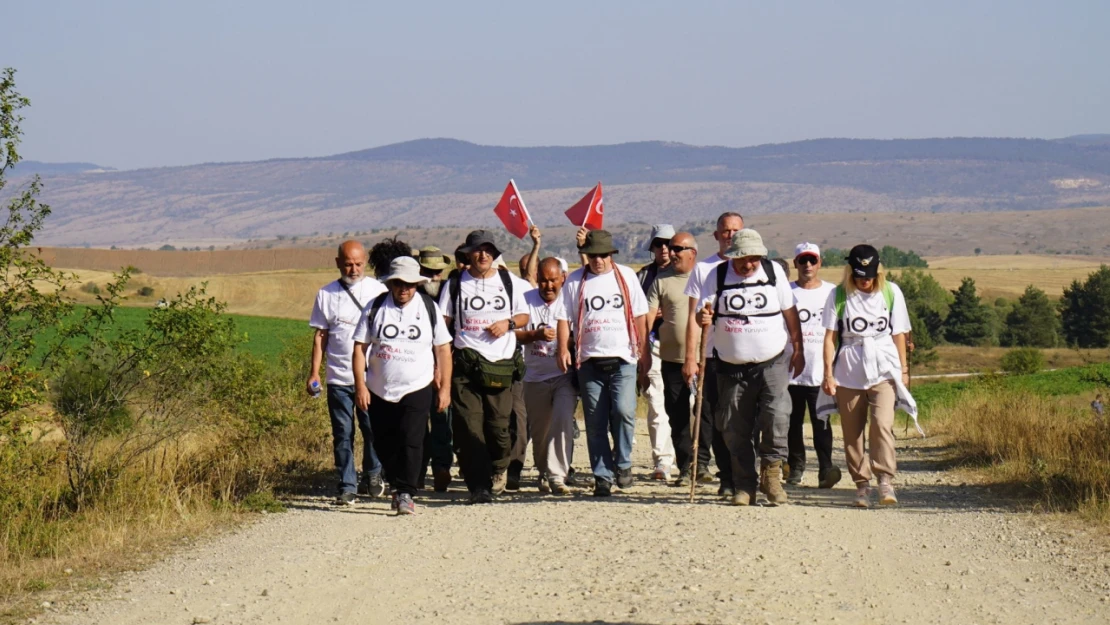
pixel 695 426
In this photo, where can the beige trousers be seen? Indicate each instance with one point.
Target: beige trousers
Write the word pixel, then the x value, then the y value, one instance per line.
pixel 551 405
pixel 854 405
pixel 659 425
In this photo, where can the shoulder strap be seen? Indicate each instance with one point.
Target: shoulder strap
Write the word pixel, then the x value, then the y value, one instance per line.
pixel 507 281
pixel 841 301
pixel 454 282
pixel 374 308
pixel 769 269
pixel 430 305
pixel 888 295
pixel 359 305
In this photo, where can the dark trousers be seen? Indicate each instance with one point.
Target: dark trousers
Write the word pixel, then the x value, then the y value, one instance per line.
pixel 480 424
pixel 710 397
pixel 437 441
pixel 804 397
pixel 678 401
pixel 754 398
pixel 399 436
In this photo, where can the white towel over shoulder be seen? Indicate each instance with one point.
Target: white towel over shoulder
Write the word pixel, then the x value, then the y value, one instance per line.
pixel 879 365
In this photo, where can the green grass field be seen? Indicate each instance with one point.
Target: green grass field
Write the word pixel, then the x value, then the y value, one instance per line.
pixel 266 336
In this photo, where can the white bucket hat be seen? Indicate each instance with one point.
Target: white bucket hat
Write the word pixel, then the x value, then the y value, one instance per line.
pixel 405 269
pixel 746 242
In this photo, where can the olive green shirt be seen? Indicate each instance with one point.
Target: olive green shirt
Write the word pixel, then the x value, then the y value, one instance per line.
pixel 667 293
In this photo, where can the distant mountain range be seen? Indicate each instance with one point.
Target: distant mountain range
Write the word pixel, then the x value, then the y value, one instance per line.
pixel 449 182
pixel 27 168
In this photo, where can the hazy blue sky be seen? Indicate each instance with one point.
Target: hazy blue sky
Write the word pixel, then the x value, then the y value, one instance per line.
pixel 141 83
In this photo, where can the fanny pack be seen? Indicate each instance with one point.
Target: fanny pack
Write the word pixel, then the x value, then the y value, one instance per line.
pixel 747 369
pixel 492 375
pixel 607 365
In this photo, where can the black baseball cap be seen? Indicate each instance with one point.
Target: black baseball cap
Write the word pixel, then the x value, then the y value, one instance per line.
pixel 864 261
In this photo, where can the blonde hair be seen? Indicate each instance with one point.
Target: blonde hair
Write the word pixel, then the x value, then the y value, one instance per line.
pixel 849 283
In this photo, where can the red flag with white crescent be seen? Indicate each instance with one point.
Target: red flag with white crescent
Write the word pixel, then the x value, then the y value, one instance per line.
pixel 589 211
pixel 512 212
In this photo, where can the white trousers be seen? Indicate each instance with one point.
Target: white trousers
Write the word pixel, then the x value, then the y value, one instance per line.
pixel 659 425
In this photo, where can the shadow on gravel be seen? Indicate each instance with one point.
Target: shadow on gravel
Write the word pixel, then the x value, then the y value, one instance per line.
pixel 598 622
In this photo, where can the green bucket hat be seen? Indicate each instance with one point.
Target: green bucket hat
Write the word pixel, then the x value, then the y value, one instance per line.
pixel 432 258
pixel 598 242
pixel 746 242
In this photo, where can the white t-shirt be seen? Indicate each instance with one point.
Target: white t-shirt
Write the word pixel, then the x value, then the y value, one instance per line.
pixel 605 332
pixel 811 310
pixel 757 338
pixel 693 287
pixel 400 359
pixel 865 316
pixel 335 312
pixel 539 357
pixel 481 304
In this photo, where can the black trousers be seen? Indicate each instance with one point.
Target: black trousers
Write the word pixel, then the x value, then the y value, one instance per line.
pixel 399 429
pixel 710 397
pixel 804 397
pixel 480 425
pixel 678 401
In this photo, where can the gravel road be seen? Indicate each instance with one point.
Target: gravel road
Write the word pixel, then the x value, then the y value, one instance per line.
pixel 950 553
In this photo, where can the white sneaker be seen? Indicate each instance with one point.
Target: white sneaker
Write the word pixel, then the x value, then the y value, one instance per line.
pixel 886 494
pixel 863 496
pixel 662 473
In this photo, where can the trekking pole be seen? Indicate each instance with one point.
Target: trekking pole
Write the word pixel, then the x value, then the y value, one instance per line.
pixel 695 426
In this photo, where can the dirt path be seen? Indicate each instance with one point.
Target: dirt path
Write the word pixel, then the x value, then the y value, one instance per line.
pixel 948 554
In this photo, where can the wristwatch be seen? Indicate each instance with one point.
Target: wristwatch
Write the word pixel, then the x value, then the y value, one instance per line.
pixel 512 323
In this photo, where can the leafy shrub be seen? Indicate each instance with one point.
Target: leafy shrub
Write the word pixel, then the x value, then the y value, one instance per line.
pixel 90 287
pixel 1023 361
pixel 146 291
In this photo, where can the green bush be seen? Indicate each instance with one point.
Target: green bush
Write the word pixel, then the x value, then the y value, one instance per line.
pixel 146 291
pixel 1023 361
pixel 90 287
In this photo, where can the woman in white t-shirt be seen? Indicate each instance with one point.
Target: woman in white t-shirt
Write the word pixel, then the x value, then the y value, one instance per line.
pixel 866 370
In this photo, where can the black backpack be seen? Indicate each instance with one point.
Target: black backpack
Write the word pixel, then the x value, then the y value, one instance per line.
pixel 454 279
pixel 722 273
pixel 429 304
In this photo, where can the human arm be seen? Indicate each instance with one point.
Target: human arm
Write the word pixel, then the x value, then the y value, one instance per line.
pixel 562 335
pixel 645 346
pixel 900 343
pixel 524 337
pixel 499 328
pixel 829 384
pixel 358 364
pixel 794 328
pixel 444 370
pixel 319 347
pixel 694 329
pixel 530 271
pixel 580 240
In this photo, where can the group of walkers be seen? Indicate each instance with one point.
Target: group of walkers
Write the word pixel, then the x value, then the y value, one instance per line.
pixel 440 357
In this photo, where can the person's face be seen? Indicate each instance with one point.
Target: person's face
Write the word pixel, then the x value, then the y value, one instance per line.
pixel 600 263
pixel 864 284
pixel 746 265
pixel 661 249
pixel 729 226
pixel 432 274
pixel 351 264
pixel 807 265
pixel 402 291
pixel 683 255
pixel 482 258
pixel 550 282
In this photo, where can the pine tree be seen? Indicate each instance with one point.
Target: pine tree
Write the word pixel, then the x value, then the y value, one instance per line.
pixel 1085 310
pixel 1032 322
pixel 969 321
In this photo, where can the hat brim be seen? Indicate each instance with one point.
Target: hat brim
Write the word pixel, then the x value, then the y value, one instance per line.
pixel 813 254
pixel 870 271
pixel 746 252
pixel 470 249
pixel 598 249
pixel 406 277
pixel 437 264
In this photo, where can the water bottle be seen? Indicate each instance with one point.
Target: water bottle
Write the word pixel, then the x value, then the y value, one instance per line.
pixel 315 389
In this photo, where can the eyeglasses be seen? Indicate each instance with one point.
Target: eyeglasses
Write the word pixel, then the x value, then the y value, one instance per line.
pixel 597 256
pixel 807 259
pixel 678 249
pixel 655 243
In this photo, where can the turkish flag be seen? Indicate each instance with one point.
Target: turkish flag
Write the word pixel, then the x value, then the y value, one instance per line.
pixel 512 212
pixel 589 211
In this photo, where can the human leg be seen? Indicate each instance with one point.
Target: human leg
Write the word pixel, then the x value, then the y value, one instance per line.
pixel 659 427
pixel 796 456
pixel 341 407
pixel 737 418
pixel 411 422
pixel 596 402
pixel 468 425
pixel 852 405
pixel 880 400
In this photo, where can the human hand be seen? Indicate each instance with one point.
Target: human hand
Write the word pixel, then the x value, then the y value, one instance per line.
pixel 563 359
pixel 705 316
pixel 797 362
pixel 362 397
pixel 535 233
pixel 689 370
pixel 444 398
pixel 580 236
pixel 498 328
pixel 829 386
pixel 548 333
pixel 308 385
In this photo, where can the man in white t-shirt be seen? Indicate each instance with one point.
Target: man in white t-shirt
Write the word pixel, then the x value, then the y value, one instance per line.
pixel 607 311
pixel 548 390
pixel 752 316
pixel 728 224
pixel 811 293
pixel 338 308
pixel 484 305
pixel 402 366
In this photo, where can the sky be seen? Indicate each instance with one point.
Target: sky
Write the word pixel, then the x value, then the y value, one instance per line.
pixel 133 84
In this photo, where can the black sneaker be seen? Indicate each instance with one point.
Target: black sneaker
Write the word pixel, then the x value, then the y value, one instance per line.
pixel 345 499
pixel 572 477
pixel 376 485
pixel 602 488
pixel 705 476
pixel 513 480
pixel 683 479
pixel 795 476
pixel 485 496
pixel 624 478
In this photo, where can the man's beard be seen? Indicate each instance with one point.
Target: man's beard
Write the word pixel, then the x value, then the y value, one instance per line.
pixel 431 287
pixel 349 281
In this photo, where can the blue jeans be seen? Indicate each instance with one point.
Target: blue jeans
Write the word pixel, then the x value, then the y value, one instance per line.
pixel 609 405
pixel 341 408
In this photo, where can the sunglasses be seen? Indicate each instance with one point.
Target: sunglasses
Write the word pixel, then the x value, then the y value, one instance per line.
pixel 660 243
pixel 677 249
pixel 807 259
pixel 597 256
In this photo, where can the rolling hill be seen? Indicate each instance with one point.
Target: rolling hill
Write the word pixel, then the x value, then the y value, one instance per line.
pixel 448 182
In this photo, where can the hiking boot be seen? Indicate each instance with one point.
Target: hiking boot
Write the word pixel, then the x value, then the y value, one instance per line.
pixel 770 482
pixel 828 478
pixel 376 486
pixel 624 478
pixel 512 482
pixel 558 487
pixel 726 493
pixel 393 504
pixel 405 504
pixel 482 495
pixel 602 487
pixel 441 479
pixel 363 485
pixel 742 498
pixel 500 480
pixel 886 494
pixel 345 499
pixel 863 496
pixel 704 475
pixel 544 485
pixel 794 476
